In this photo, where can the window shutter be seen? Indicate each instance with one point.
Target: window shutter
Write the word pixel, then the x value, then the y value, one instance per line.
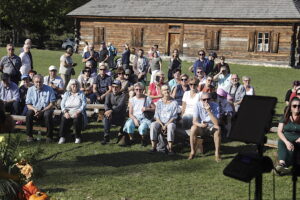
pixel 251 41
pixel 274 42
pixel 216 40
pixel 208 40
pixel 99 35
pixel 137 37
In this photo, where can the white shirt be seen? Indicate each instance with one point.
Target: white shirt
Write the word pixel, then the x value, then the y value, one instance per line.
pixel 190 102
pixel 62 69
pixel 26 63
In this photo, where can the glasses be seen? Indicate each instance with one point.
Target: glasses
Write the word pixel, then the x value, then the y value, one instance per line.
pixel 296 106
pixel 138 89
pixel 193 84
pixel 184 79
pixel 209 80
pixel 207 99
pixel 247 80
pixel 11 49
pixel 120 73
pixel 102 69
pixel 199 72
pixel 126 74
pixel 201 54
pixel 235 79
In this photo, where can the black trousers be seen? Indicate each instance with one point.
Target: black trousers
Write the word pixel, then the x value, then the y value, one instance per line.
pixel 116 119
pixel 12 107
pixel 66 124
pixel 46 117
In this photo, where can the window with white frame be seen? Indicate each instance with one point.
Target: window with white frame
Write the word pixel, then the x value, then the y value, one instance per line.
pixel 263 40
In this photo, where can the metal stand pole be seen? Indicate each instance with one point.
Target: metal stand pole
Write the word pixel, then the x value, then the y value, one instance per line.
pixel 258 178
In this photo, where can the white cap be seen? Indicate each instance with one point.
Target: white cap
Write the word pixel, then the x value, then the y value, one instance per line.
pixel 52 67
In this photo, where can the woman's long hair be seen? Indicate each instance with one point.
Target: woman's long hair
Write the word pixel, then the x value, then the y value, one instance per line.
pixel 288 111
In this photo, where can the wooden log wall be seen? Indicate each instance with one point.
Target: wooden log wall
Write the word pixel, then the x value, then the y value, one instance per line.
pixel 233 40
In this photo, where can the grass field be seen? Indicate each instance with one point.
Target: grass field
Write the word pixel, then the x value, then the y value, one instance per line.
pixel 93 171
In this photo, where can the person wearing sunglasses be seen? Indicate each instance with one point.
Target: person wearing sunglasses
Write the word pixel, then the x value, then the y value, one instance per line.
pixel 289 134
pixel 11 64
pixel 189 101
pixel 102 84
pixel 86 84
pixel 207 86
pixel 202 63
pixel 179 90
pixel 205 122
pixel 121 77
pixel 137 105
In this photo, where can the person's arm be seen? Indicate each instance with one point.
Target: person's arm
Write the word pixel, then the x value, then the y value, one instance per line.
pixel 240 93
pixel 106 93
pixel 2 64
pixel 216 77
pixel 50 105
pixel 281 136
pixel 83 102
pixel 153 96
pixel 174 92
pixel 105 59
pixel 183 107
pixel 121 103
pixel 160 65
pixel 16 94
pixel 62 103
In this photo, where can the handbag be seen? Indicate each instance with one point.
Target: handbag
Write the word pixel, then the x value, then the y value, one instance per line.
pixel 18 74
pixel 148 114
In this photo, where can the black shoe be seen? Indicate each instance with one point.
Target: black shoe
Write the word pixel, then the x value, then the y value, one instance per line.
pixel 281 169
pixel 153 150
pixel 144 143
pixel 105 140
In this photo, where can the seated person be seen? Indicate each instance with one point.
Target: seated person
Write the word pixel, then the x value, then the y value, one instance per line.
pixel 201 76
pixel 73 108
pixel 23 93
pixel 86 84
pixel 31 74
pixel 236 91
pixel 165 117
pixel 154 90
pixel 137 105
pixel 189 101
pixel 56 83
pixel 223 78
pixel 176 80
pixel 205 122
pixel 288 94
pixel 120 76
pixel 9 94
pixel 130 77
pixel 207 86
pixel 102 85
pixel 40 100
pixel 6 121
pixel 115 110
pixel 180 89
pixel 288 133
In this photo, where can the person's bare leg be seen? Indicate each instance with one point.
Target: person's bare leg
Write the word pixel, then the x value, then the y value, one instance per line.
pixel 193 142
pixel 200 145
pixel 217 141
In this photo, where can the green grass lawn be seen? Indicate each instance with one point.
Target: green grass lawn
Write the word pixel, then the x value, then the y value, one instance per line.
pixel 93 171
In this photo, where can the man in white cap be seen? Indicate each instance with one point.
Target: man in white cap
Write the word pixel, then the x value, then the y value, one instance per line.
pixel 55 82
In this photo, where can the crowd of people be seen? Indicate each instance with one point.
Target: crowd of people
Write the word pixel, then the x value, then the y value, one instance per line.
pixel 201 104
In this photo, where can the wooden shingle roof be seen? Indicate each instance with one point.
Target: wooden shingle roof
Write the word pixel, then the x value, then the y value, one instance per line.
pixel 199 9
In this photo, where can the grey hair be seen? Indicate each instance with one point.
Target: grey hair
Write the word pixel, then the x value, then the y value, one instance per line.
pixel 139 84
pixel 206 93
pixel 165 87
pixel 71 82
pixel 69 50
pixel 39 76
pixel 246 77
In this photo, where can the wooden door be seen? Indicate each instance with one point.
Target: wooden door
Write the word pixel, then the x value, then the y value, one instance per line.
pixel 174 42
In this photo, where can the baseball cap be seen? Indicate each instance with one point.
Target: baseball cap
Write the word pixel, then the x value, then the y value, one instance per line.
pixel 116 82
pixel 213 54
pixel 52 67
pixel 5 77
pixel 24 76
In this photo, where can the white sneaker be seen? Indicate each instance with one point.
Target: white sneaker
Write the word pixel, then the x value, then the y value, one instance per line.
pixel 62 140
pixel 77 141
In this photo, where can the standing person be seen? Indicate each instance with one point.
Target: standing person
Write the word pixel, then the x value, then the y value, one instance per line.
pixel 40 100
pixel 103 53
pixel 236 91
pixel 26 60
pixel 112 53
pixel 29 44
pixel 126 56
pixel 165 117
pixel 11 64
pixel 218 66
pixel 150 53
pixel 155 65
pixel 175 63
pixel 55 82
pixel 92 56
pixel 205 122
pixel 73 106
pixel 132 57
pixel 102 84
pixel 85 48
pixel 140 66
pixel 211 58
pixel 202 63
pixel 155 49
pixel 115 110
pixel 249 89
pixel 66 66
pixel 137 106
pixel 289 134
pixel 9 94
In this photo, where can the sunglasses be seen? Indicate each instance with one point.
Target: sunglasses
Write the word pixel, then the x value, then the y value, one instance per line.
pixel 184 79
pixel 88 71
pixel 11 49
pixel 296 106
pixel 298 94
pixel 201 54
pixel 207 99
pixel 120 73
pixel 193 84
pixel 199 72
pixel 126 74
pixel 102 69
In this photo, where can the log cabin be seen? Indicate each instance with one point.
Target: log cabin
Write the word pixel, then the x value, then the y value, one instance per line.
pixel 255 30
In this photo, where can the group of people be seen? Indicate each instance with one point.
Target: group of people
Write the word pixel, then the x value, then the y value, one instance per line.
pixel 201 105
